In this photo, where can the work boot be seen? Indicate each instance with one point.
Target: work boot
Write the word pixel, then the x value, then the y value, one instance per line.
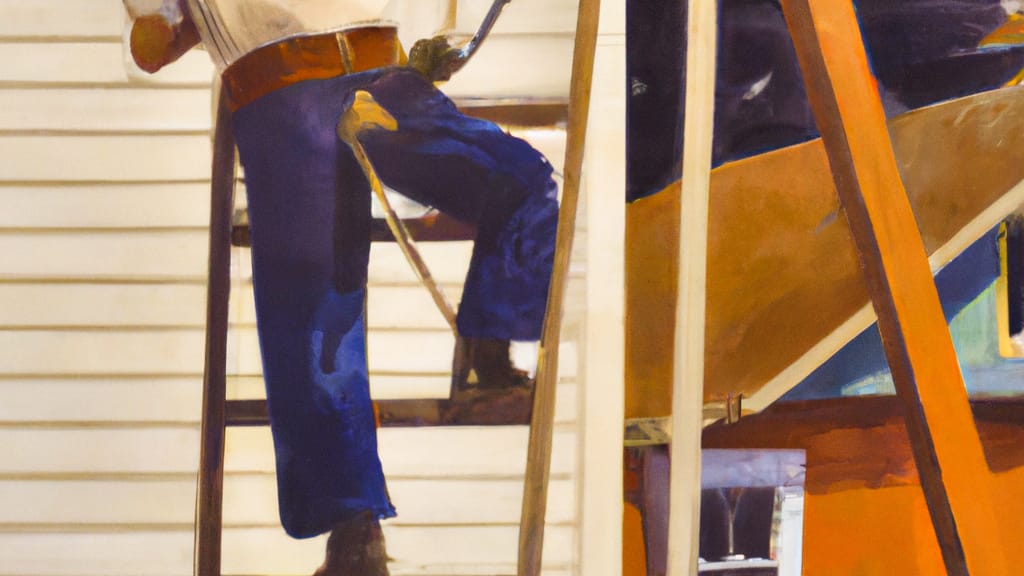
pixel 355 548
pixel 485 364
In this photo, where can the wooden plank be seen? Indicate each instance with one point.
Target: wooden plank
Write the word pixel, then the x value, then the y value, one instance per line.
pixel 105 110
pixel 105 158
pixel 538 463
pixel 599 302
pixel 251 500
pixel 947 451
pixel 210 476
pixel 125 205
pixel 384 385
pixel 691 301
pixel 62 18
pixel 861 442
pixel 473 407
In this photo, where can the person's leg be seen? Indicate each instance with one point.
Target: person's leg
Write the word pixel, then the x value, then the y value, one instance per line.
pixel 309 214
pixel 473 170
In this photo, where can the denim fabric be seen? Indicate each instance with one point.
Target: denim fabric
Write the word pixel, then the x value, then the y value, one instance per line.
pixel 309 210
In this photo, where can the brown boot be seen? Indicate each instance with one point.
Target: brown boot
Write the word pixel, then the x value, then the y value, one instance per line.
pixel 485 363
pixel 355 548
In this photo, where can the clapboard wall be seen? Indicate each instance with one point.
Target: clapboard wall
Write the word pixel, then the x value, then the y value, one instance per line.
pixel 104 183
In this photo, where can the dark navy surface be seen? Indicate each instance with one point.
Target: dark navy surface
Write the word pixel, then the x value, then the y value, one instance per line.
pixel 309 209
pixel 921 51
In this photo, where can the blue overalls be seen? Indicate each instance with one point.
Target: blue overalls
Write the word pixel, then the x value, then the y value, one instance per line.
pixel 309 210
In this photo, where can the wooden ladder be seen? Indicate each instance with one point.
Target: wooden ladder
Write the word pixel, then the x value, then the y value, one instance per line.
pixel 461 408
pixel 844 97
pixel 517 406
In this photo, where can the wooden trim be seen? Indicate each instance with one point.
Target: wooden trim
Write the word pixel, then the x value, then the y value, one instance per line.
pixel 505 407
pixel 538 461
pixel 844 97
pixel 432 227
pixel 691 302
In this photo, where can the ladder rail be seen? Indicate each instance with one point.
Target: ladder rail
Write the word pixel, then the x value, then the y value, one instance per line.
pixel 210 479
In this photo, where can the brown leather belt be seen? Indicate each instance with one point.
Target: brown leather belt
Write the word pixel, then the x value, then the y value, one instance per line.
pixel 320 56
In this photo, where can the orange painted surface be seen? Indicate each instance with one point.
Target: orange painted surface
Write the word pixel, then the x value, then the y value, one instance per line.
pixel 865 512
pixel 782 270
pixel 844 96
pixel 888 531
pixel 634 556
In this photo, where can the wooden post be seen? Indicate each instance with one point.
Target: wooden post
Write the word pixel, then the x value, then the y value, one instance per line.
pixel 600 396
pixel 950 462
pixel 688 370
pixel 210 481
pixel 538 454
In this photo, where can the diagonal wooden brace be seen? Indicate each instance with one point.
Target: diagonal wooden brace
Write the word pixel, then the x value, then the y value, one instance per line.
pixel 951 465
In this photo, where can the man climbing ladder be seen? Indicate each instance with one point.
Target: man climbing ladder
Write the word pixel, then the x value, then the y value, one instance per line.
pixel 287 86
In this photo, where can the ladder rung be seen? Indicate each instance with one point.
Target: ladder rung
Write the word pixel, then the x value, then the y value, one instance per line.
pixel 505 407
pixel 432 227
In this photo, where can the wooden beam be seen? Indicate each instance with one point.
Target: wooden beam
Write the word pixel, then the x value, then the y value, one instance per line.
pixel 688 366
pixel 600 542
pixel 538 454
pixel 503 407
pixel 210 481
pixel 947 451
pixel 431 227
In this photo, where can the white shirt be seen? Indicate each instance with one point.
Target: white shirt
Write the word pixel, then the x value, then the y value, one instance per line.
pixel 232 28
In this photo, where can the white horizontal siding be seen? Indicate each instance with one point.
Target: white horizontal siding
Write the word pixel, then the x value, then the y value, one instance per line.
pixel 114 158
pixel 61 18
pixel 251 500
pixel 102 304
pixel 109 205
pixel 488 550
pixel 102 20
pixel 495 451
pixel 111 109
pixel 92 64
